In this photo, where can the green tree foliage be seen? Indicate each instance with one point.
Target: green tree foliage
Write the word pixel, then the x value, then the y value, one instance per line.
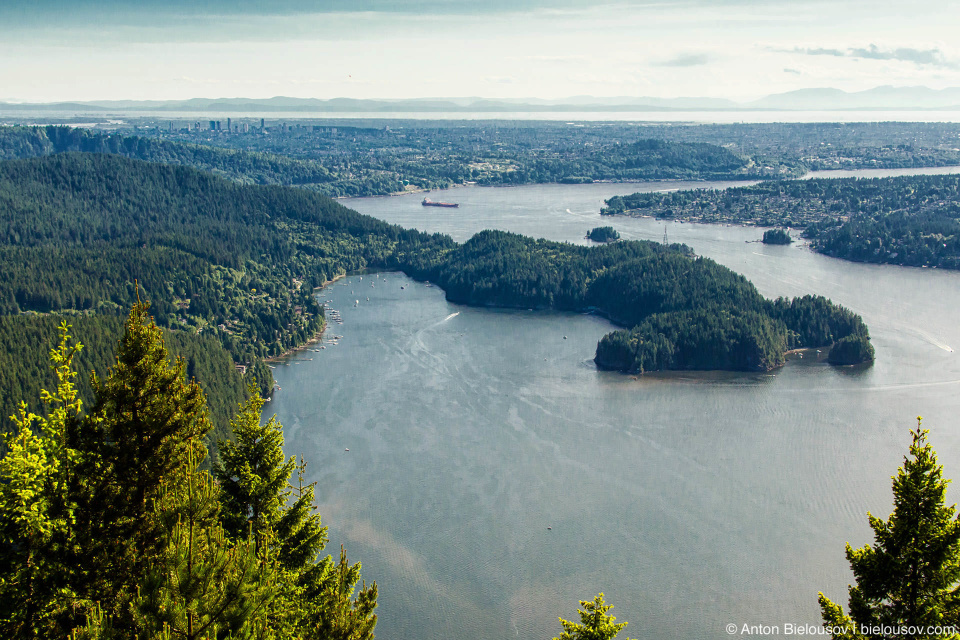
pixel 141 428
pixel 595 623
pixel 603 234
pixel 240 263
pixel 38 514
pixel 24 367
pixel 260 505
pixel 254 476
pixel 776 236
pixel 110 529
pixel 852 349
pixel 909 577
pixel 681 312
pixel 202 585
pixel 814 321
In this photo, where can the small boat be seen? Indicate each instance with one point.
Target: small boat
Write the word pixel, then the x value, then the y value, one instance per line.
pixel 427 202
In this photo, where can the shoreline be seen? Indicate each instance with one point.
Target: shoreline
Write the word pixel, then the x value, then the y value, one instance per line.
pixel 312 340
pixel 309 342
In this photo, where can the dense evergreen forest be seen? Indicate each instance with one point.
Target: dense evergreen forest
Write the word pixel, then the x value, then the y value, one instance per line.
pixel 25 369
pixel 906 220
pixel 362 162
pixel 234 266
pixel 682 312
pixel 231 267
pixel 111 528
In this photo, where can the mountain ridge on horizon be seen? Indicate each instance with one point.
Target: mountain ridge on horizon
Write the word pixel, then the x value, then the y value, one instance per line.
pixel 809 99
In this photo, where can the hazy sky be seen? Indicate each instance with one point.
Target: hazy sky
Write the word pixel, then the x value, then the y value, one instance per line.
pixel 740 49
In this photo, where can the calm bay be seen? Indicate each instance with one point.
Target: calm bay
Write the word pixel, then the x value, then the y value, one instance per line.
pixel 494 477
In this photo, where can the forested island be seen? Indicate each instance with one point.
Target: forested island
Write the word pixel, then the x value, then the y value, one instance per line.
pixel 232 270
pixel 776 236
pixel 905 220
pixel 603 234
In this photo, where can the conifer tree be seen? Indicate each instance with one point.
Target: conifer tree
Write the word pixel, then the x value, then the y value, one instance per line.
pixel 37 516
pixel 203 584
pixel 109 529
pixel 314 597
pixel 594 623
pixel 253 473
pixel 138 433
pixel 910 576
pixel 332 612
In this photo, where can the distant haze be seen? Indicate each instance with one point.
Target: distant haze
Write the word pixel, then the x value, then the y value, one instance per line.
pixel 727 50
pixel 879 98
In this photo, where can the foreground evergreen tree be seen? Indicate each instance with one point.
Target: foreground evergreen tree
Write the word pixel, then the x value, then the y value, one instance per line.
pixel 910 577
pixel 203 585
pixel 139 432
pixel 260 504
pixel 594 623
pixel 110 529
pixel 37 513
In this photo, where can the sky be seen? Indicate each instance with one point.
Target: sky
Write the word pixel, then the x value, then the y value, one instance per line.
pixel 57 50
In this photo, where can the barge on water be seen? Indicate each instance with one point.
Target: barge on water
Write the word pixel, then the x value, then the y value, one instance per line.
pixel 427 202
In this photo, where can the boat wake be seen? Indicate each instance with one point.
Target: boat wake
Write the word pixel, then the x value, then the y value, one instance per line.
pixel 934 341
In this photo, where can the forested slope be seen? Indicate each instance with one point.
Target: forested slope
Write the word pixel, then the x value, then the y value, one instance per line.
pixel 364 162
pixel 25 362
pixel 234 266
pixel 906 220
pixel 226 266
pixel 246 167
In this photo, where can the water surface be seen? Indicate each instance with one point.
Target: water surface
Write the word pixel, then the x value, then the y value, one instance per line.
pixel 495 477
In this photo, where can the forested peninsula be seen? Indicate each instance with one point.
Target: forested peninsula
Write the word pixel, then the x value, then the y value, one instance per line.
pixel 231 269
pixel 906 220
pixel 680 311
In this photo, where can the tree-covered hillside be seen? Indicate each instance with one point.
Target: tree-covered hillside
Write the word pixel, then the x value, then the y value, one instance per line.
pixel 26 340
pixel 363 162
pixel 230 267
pixel 246 167
pixel 906 220
pixel 234 266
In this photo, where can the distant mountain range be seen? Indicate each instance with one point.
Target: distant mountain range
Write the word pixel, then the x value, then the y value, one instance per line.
pixel 878 98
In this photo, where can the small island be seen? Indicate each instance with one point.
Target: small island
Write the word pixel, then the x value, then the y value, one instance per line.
pixel 603 234
pixel 776 236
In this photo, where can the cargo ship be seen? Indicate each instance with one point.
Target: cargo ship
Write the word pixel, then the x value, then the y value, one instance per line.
pixel 427 202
